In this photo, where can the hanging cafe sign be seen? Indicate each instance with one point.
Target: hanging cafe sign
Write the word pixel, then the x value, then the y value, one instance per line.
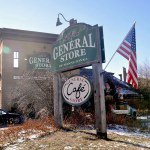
pixel 76 90
pixel 77 46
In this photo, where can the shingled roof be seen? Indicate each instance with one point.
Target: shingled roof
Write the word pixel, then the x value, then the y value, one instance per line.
pixel 109 76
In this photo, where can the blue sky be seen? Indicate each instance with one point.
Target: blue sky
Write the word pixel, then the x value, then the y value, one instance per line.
pixel 115 16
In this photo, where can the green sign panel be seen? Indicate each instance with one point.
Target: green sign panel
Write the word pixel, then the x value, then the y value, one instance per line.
pixel 102 44
pixel 40 60
pixel 77 46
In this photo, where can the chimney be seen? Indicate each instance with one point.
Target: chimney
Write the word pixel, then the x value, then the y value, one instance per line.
pixel 124 74
pixel 120 76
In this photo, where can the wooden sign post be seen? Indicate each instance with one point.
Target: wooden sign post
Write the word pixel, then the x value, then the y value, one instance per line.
pixel 58 113
pixel 80 45
pixel 99 101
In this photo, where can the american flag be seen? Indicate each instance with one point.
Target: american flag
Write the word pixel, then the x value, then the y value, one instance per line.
pixel 128 50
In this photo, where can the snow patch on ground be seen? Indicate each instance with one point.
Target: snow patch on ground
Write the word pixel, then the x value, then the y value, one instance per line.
pixel 119 129
pixel 13 147
pixel 20 140
pixel 123 130
pixel 143 117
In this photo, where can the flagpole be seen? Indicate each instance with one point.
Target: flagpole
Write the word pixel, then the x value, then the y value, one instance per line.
pixel 118 47
pixel 110 60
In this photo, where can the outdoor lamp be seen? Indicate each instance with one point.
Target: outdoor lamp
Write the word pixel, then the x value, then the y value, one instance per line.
pixel 71 22
pixel 58 22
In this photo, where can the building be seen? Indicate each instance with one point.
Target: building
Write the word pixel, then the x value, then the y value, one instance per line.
pixel 19 51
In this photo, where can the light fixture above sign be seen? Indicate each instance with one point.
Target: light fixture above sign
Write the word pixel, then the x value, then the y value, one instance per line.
pixel 71 21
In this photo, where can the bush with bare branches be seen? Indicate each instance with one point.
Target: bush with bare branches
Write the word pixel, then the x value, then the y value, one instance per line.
pixel 144 84
pixel 34 91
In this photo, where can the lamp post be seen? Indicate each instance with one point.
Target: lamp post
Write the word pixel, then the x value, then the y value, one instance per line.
pixel 71 21
pixel 58 111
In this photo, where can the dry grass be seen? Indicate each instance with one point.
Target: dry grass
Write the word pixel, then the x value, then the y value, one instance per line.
pixel 116 119
pixel 31 127
pixel 80 118
pixel 62 140
pixel 83 118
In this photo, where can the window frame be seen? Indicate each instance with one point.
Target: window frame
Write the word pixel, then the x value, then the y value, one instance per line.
pixel 16 59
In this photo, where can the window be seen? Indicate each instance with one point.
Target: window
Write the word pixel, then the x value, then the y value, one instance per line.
pixel 16 59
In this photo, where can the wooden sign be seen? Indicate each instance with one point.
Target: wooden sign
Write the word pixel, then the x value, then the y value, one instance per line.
pixel 77 46
pixel 76 90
